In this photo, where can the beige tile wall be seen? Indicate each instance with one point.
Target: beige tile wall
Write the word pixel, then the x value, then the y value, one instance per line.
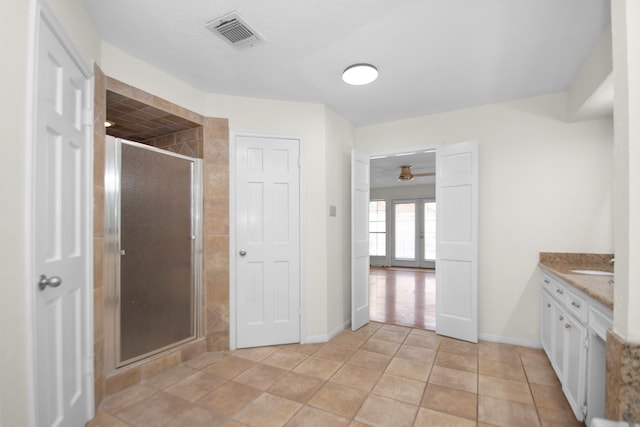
pixel 210 142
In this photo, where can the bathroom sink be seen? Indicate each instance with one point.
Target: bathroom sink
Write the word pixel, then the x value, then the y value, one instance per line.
pixel 593 272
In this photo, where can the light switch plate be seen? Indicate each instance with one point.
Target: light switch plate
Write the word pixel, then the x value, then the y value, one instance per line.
pixel 332 210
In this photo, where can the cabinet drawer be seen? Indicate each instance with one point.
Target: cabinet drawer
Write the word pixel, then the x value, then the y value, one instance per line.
pixel 599 322
pixel 576 305
pixel 555 289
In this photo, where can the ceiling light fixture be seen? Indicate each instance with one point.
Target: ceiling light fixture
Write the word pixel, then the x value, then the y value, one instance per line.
pixel 107 123
pixel 360 74
pixel 405 173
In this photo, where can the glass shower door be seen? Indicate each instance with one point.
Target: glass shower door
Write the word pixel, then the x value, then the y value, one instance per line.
pixel 156 251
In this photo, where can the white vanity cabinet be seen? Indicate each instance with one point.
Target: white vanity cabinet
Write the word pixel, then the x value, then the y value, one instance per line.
pixel 572 332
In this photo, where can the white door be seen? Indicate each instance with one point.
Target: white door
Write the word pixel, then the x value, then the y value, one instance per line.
pixel 457 241
pixel 359 239
pixel 62 255
pixel 267 241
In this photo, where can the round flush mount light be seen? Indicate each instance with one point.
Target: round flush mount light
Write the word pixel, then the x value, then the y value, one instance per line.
pixel 360 74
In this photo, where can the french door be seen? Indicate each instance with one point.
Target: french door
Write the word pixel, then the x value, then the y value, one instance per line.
pixel 414 233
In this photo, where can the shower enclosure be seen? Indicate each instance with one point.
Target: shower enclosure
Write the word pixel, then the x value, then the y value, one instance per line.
pixel 153 236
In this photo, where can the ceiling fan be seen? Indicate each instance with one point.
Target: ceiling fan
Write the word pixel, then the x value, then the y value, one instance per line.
pixel 407 175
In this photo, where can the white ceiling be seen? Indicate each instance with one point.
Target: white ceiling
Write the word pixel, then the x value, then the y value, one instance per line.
pixel 432 55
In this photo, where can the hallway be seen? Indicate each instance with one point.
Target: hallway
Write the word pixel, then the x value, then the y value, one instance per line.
pixel 403 296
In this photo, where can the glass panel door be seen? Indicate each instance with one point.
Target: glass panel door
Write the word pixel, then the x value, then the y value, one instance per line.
pixel 429 234
pixel 157 243
pixel 404 247
pixel 414 233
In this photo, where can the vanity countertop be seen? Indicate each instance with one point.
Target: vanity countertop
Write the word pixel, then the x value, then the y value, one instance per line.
pixel 600 288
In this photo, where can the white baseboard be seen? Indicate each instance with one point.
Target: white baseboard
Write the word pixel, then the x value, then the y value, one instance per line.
pixel 315 339
pixel 510 340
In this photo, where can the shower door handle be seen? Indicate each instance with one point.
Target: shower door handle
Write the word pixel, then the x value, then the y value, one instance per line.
pixel 242 253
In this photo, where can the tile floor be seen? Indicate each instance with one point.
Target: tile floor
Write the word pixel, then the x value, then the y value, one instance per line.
pixel 403 296
pixel 381 375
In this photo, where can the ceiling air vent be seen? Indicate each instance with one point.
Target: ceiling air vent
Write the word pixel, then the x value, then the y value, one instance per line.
pixel 235 31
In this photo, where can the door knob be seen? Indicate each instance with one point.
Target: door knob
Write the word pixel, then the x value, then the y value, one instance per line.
pixel 242 253
pixel 54 282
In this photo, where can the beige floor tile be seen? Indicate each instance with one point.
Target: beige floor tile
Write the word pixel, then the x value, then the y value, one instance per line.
pixel 358 424
pixel 261 376
pixel 318 367
pixel 428 418
pixel 296 387
pixel 356 376
pixel 459 347
pixel 454 378
pixel 549 397
pixel 285 359
pixel 457 361
pixel 555 418
pixel 400 388
pixel 380 346
pixel 339 353
pixel 309 416
pixel 419 354
pixel 350 339
pixel 369 359
pixel 195 386
pixel 505 413
pixel 409 369
pixel 204 360
pixel 153 411
pixel 229 398
pixel 424 341
pixel 267 410
pixel 384 412
pixel 102 419
pixel 498 351
pixel 542 376
pixel 229 367
pixel 307 349
pixel 501 388
pixel 127 397
pixel 534 357
pixel 338 399
pixel 256 354
pixel 196 416
pixel 171 376
pixel 502 369
pixel 397 336
pixel 451 401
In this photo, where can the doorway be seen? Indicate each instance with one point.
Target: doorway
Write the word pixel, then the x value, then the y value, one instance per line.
pixel 402 233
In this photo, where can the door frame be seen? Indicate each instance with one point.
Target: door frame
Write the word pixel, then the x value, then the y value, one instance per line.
pixel 233 134
pixel 42 12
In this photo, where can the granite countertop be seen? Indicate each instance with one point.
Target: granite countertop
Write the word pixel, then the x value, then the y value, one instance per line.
pixel 600 288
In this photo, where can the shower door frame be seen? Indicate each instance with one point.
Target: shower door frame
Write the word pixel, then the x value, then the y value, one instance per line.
pixel 112 254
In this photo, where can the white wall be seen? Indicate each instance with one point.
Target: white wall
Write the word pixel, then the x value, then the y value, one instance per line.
pixel 545 186
pixel 626 46
pixel 340 141
pixel 79 26
pixel 14 26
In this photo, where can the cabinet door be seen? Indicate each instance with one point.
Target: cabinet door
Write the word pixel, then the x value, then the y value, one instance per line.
pixel 575 364
pixel 547 318
pixel 558 346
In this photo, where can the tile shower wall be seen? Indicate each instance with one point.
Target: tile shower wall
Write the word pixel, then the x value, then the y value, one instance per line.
pixel 210 142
